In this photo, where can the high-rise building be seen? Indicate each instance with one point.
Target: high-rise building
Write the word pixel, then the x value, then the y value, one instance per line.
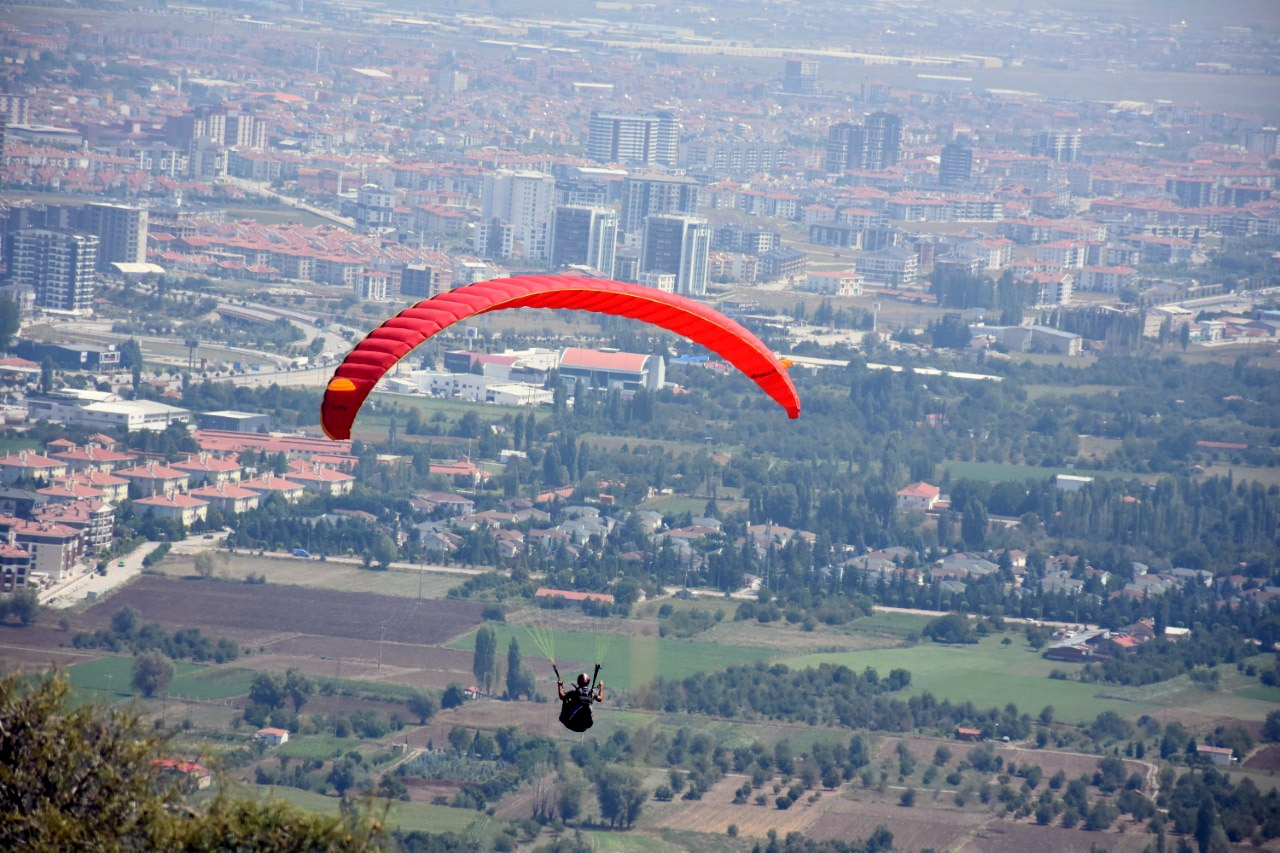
pixel 647 195
pixel 585 236
pixel 1062 146
pixel 800 77
pixel 1262 140
pixel 884 139
pixel 956 165
pixel 845 145
pixel 59 266
pixel 678 245
pixel 121 230
pixel 526 200
pixel 641 139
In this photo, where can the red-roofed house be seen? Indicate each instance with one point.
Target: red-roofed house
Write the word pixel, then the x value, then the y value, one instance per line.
pixel 626 370
pixel 67 491
pixel 29 465
pixel 206 469
pixel 112 487
pixel 918 496
pixel 15 567
pixel 194 775
pixel 178 507
pixel 1216 754
pixel 54 548
pixel 464 472
pixel 269 484
pixel 154 479
pixel 317 478
pixel 228 497
pixel 572 595
pixel 95 519
pixel 94 458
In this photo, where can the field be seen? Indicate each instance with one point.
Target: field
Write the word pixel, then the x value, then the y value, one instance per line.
pixel 1266 476
pixel 342 577
pixel 210 682
pixel 272 611
pixel 630 662
pixel 406 816
pixel 110 677
pixel 989 674
pixel 1000 472
pixel 1040 392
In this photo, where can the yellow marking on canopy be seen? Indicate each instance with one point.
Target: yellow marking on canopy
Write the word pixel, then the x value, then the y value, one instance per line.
pixel 341 383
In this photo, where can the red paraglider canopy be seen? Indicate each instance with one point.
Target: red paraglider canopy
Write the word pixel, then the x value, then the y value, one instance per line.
pixel 397 337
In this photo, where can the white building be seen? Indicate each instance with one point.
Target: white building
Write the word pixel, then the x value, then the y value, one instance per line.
pixel 526 200
pixel 834 283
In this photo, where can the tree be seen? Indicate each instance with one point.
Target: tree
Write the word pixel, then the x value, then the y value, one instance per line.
pixel 267 689
pixel 46 374
pixel 1271 728
pixel 569 792
pixel 621 794
pixel 26 606
pixel 205 564
pixel 383 551
pixel 152 673
pixel 908 798
pixel 483 663
pixel 517 682
pixel 56 796
pixel 973 527
pixel 10 321
pixel 299 688
pixel 422 706
pixel 342 775
pixel 125 620
pixel 452 697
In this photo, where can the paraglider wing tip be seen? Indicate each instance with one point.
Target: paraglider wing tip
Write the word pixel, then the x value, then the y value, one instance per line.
pixel 793 412
pixel 335 435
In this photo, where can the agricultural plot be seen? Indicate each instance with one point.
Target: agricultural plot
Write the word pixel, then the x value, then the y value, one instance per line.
pixel 630 662
pixel 1002 472
pixel 270 611
pixel 211 683
pixel 423 817
pixel 110 678
pixel 341 577
pixel 989 674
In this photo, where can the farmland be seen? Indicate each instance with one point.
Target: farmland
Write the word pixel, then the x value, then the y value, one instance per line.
pixel 1001 472
pixel 340 577
pixel 264 611
pixel 110 678
pixel 990 674
pixel 630 661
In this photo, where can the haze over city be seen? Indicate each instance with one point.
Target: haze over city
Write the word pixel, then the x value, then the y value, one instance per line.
pixel 827 427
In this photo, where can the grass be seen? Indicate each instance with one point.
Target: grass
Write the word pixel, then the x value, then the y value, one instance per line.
pixel 13 445
pixel 1039 392
pixel 316 747
pixel 1003 472
pixel 629 662
pixel 400 815
pixel 113 675
pixel 989 674
pixel 1266 476
pixel 1260 692
pixel 674 505
pixel 212 683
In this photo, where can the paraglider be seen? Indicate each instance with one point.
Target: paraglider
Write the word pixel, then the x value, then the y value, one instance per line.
pixel 575 704
pixel 360 371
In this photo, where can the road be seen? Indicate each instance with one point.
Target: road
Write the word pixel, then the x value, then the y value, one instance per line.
pixel 75 589
pixel 259 188
pixel 1015 620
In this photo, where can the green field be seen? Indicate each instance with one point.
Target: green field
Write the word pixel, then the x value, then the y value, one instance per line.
pixel 112 676
pixel 989 674
pixel 1039 392
pixel 1260 692
pixel 318 747
pixel 629 662
pixel 1002 472
pixel 211 683
pixel 406 816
